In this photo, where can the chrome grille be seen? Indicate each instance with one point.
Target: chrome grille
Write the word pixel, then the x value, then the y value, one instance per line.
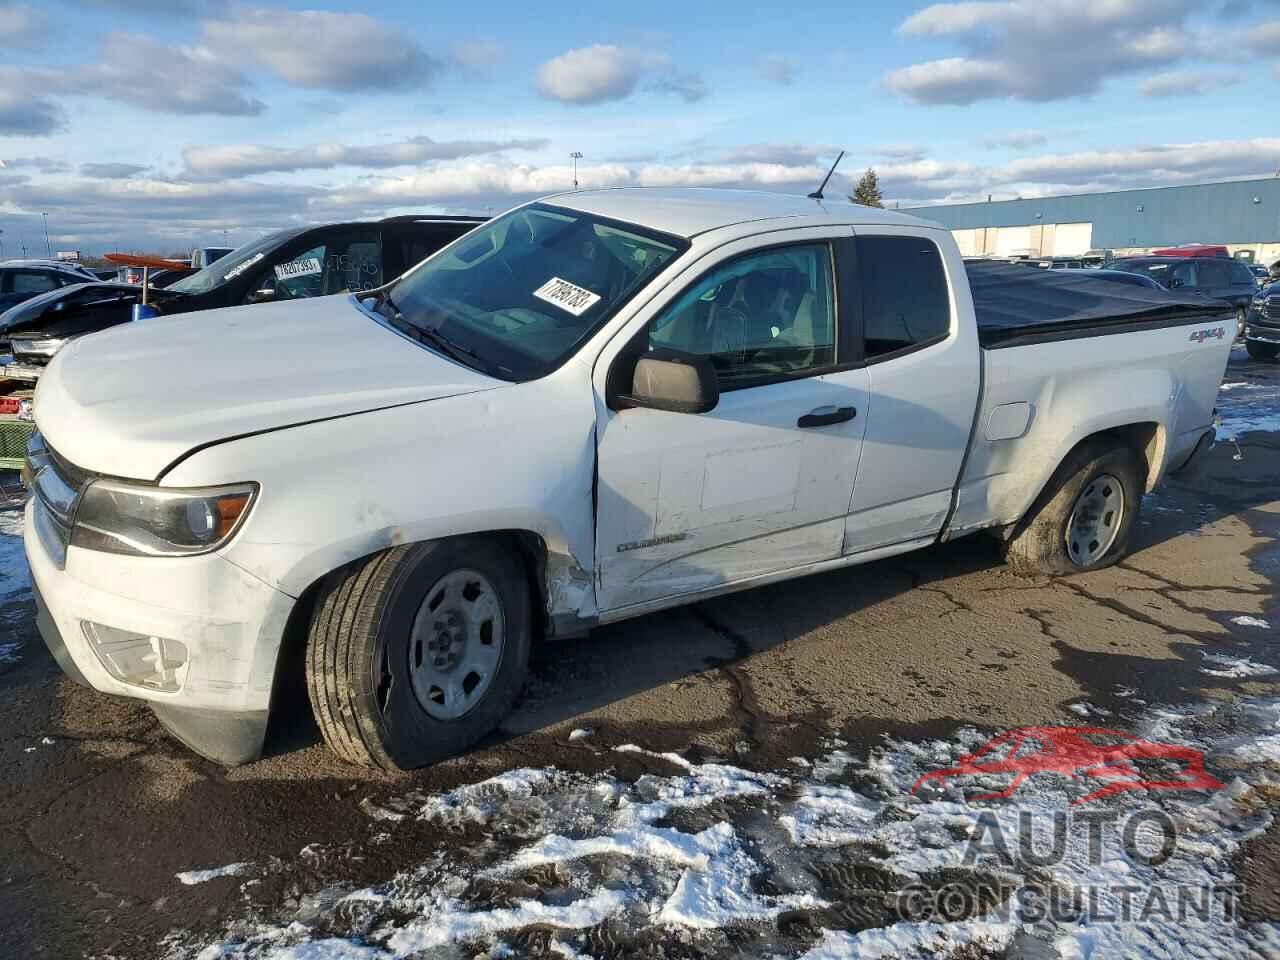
pixel 55 486
pixel 1271 308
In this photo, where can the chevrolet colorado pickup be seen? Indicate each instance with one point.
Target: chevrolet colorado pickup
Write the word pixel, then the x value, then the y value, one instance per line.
pixel 592 407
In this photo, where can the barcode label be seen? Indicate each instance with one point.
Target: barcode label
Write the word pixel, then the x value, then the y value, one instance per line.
pixel 299 268
pixel 567 296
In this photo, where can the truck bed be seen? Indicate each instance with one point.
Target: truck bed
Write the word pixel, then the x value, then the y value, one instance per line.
pixel 1017 304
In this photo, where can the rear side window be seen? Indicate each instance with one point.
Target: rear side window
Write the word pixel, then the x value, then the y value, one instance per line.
pixel 905 301
pixel 1240 273
pixel 24 282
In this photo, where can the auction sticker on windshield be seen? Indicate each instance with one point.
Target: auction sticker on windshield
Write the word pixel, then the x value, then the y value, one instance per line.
pixel 240 268
pixel 567 296
pixel 298 268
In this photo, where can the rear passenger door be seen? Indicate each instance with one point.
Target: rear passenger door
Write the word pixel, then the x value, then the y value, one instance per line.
pixel 924 368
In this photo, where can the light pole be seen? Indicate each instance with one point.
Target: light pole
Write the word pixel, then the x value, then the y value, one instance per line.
pixel 575 157
pixel 48 247
pixel 1 242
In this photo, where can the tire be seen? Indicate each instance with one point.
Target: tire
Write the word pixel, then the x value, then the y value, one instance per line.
pixel 1040 544
pixel 375 641
pixel 1262 351
pixel 1242 317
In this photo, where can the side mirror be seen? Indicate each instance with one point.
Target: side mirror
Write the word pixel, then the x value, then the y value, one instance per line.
pixel 262 296
pixel 673 381
pixel 1175 283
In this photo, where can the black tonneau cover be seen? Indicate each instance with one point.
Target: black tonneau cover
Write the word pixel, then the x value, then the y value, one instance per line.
pixel 1018 304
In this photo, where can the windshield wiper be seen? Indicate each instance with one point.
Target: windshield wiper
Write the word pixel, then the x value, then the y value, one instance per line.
pixel 430 336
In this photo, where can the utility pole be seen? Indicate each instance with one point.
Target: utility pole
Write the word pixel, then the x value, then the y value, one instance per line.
pixel 575 157
pixel 48 247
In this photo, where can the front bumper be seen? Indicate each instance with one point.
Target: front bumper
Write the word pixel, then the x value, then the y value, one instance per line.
pixel 230 623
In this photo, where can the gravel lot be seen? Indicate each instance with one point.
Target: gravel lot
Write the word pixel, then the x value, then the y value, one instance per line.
pixel 780 728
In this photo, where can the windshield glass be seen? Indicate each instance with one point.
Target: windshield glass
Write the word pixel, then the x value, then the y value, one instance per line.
pixel 1157 270
pixel 517 295
pixel 232 265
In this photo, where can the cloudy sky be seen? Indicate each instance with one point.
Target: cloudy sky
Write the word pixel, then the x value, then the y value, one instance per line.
pixel 145 123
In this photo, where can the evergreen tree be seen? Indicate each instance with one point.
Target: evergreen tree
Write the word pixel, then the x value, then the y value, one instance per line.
pixel 867 192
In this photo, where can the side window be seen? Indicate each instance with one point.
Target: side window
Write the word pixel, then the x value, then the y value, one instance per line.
pixel 1182 275
pixel 293 277
pixel 1214 274
pixel 762 316
pixel 905 300
pixel 354 265
pixel 1240 273
pixel 33 282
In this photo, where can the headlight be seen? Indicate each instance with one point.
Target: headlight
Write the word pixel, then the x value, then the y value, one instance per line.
pixel 44 347
pixel 119 517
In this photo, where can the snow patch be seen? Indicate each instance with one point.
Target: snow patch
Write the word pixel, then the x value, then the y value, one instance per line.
pixel 191 877
pixel 1236 668
pixel 1247 621
pixel 682 855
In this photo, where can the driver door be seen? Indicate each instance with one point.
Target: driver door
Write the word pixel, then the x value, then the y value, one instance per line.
pixel 760 484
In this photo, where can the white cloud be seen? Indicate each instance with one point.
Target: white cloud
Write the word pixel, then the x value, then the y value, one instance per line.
pixel 143 73
pixel 1178 83
pixel 240 160
pixel 24 113
pixel 320 50
pixel 1040 50
pixel 111 171
pixel 604 72
pixel 592 74
pixel 776 69
pixel 1015 140
pixel 22 25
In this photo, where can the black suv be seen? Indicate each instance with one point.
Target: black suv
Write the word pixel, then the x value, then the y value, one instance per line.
pixel 287 265
pixel 1222 278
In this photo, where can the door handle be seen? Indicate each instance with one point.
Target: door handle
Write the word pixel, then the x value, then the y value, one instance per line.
pixel 825 416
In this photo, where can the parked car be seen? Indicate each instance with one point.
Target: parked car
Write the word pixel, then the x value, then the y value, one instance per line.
pixel 201 257
pixel 1222 278
pixel 1060 263
pixel 1193 250
pixel 1262 331
pixel 1261 274
pixel 593 407
pixel 288 265
pixel 23 279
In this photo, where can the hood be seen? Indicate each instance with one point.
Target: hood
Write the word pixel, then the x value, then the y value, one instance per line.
pixel 131 400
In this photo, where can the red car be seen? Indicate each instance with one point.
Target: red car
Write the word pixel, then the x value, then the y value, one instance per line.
pixel 1079 752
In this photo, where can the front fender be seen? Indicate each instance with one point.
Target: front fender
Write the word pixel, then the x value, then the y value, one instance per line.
pixel 516 458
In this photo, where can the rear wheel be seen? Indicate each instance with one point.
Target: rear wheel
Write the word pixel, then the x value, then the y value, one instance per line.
pixel 416 653
pixel 1084 518
pixel 1262 351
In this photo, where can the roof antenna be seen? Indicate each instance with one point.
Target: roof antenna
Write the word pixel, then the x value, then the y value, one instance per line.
pixel 817 194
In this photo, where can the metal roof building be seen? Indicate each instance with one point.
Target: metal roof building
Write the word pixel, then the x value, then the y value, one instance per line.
pixel 1243 214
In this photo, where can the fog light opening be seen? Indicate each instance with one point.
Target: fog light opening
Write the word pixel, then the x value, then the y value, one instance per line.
pixel 157 663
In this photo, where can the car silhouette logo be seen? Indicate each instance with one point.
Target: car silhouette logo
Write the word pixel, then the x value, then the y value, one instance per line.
pixel 1095 752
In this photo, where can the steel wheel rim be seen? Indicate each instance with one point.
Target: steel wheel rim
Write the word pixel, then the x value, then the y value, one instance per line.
pixel 1095 520
pixel 456 645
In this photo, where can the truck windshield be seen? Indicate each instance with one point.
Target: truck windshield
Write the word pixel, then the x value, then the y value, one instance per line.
pixel 232 265
pixel 516 296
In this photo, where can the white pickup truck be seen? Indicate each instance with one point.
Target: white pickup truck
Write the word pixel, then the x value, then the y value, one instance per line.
pixel 593 407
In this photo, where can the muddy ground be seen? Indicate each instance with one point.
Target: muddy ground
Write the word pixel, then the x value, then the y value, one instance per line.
pixel 99 809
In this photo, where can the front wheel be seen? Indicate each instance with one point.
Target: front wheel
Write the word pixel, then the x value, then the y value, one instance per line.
pixel 1262 351
pixel 1241 317
pixel 1083 519
pixel 416 653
